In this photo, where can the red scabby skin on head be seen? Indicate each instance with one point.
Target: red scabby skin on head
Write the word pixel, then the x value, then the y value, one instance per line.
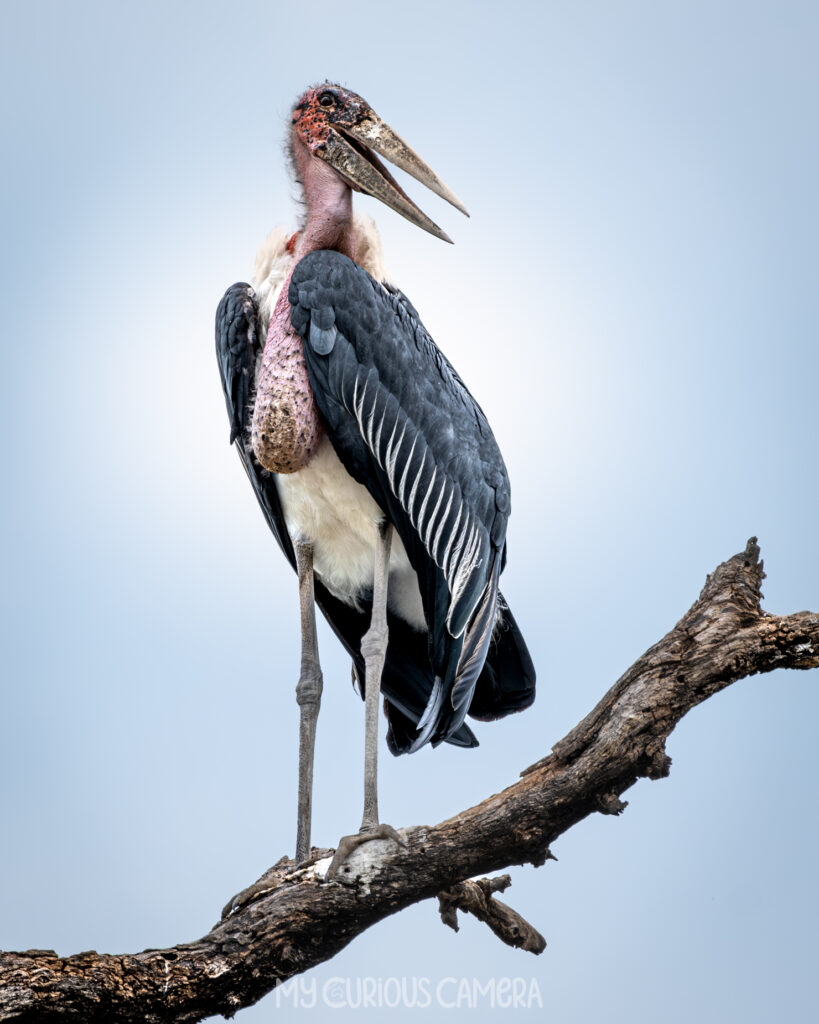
pixel 310 119
pixel 313 121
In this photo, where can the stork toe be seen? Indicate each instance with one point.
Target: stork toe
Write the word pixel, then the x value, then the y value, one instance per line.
pixel 347 844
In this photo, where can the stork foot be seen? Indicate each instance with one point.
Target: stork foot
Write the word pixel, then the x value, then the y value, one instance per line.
pixel 347 844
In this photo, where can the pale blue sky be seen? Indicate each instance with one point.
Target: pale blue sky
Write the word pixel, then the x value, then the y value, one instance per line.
pixel 634 302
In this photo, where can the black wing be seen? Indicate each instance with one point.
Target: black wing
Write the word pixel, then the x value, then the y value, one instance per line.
pixel 405 426
pixel 237 349
pixel 407 680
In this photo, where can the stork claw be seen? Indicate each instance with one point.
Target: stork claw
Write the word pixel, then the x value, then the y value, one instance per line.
pixel 347 844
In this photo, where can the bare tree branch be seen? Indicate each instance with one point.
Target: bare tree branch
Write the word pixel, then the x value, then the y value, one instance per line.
pixel 291 920
pixel 477 898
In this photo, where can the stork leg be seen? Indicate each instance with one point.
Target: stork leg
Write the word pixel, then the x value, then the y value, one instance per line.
pixel 374 650
pixel 308 696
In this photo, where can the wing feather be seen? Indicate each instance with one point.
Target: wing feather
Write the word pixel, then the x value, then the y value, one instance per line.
pixel 403 424
pixel 407 681
pixel 237 349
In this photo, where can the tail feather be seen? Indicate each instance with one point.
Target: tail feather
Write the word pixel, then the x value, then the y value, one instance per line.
pixel 506 682
pixel 402 732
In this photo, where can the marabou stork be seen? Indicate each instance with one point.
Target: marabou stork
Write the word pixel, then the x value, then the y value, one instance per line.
pixel 374 466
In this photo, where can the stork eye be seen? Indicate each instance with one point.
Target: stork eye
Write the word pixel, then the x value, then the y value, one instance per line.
pixel 327 99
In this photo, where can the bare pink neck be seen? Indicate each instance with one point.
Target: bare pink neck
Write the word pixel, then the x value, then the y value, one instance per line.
pixel 287 429
pixel 329 207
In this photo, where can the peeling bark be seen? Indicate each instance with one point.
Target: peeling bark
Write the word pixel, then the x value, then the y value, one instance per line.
pixel 291 920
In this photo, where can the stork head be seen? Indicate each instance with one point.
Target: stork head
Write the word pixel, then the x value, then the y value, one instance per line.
pixel 340 128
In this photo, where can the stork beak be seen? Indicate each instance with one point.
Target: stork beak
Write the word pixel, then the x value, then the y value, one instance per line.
pixel 349 150
pixel 373 132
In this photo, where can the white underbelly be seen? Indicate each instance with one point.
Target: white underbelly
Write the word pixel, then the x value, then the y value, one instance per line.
pixel 323 505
